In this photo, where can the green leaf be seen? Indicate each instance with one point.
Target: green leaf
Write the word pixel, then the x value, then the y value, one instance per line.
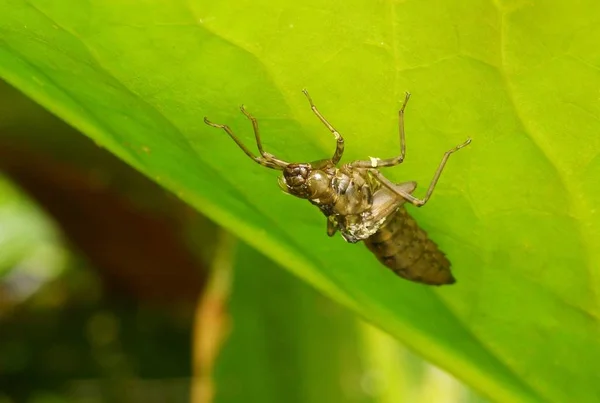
pixel 281 330
pixel 516 211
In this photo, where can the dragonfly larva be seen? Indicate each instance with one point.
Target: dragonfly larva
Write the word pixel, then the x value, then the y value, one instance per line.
pixel 362 204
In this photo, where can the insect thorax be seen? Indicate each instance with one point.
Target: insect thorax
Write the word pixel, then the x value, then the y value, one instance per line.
pixel 344 196
pixel 353 211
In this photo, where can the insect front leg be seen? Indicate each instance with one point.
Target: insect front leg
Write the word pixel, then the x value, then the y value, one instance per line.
pixel 266 159
pixel 339 150
pixel 389 162
pixel 409 197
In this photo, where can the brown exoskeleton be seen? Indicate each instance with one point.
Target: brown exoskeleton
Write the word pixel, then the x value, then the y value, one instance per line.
pixel 363 204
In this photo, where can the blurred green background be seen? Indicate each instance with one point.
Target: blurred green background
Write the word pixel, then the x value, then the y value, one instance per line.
pixel 118 285
pixel 106 295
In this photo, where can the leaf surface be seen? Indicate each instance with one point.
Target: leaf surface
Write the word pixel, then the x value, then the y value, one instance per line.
pixel 516 212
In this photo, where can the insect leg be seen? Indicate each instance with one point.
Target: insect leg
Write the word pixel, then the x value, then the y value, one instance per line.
pixel 262 152
pixel 386 201
pixel 339 149
pixel 266 159
pixel 412 199
pixel 389 162
pixel 332 226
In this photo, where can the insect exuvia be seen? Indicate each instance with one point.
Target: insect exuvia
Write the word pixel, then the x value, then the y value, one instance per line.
pixel 363 204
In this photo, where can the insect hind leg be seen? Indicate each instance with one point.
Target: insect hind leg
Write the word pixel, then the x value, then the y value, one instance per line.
pixel 386 201
pixel 409 197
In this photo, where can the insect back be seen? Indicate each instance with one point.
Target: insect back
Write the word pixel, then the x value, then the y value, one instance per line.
pixel 361 203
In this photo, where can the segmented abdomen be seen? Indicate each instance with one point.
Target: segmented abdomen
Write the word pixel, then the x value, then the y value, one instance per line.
pixel 405 248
